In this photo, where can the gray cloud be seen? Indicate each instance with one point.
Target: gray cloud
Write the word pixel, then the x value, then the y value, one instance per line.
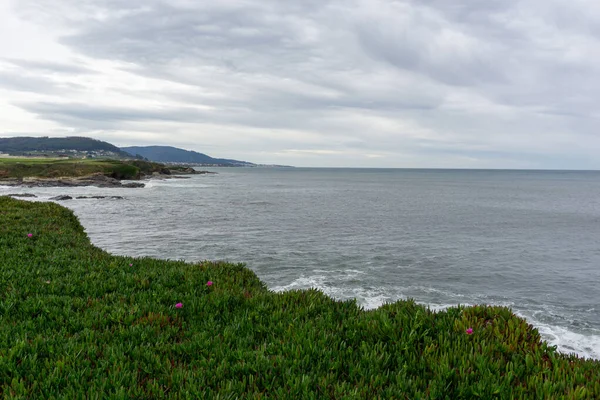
pixel 495 81
pixel 21 83
pixel 34 84
pixel 83 115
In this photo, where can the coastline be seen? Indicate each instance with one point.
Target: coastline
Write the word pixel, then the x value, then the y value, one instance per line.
pixel 97 180
pixel 237 315
pixel 364 272
pixel 110 173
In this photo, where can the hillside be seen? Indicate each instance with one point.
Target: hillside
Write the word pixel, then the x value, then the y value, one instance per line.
pixel 73 146
pixel 48 168
pixel 176 155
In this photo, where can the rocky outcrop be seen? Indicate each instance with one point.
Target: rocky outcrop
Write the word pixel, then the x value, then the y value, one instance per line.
pixel 177 173
pixel 130 185
pixel 21 195
pixel 66 197
pixel 100 197
pixel 61 198
pixel 97 180
pixel 189 171
pixel 100 180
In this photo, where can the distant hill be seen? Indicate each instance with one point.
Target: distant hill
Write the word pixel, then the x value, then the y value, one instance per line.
pixel 75 146
pixel 175 155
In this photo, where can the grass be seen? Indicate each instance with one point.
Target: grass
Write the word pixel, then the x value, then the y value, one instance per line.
pixel 31 160
pixel 55 168
pixel 77 322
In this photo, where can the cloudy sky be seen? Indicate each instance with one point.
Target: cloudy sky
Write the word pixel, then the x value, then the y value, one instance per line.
pixel 355 83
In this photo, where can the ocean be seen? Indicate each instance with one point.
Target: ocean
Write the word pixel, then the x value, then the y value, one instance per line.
pixel 529 240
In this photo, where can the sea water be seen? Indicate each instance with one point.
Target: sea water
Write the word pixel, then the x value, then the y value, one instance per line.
pixel 529 240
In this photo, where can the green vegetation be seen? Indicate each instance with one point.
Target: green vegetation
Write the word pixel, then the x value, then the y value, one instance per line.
pixel 54 168
pixel 29 145
pixel 173 154
pixel 77 322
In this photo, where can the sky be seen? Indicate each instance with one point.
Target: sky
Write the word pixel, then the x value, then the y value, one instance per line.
pixel 323 83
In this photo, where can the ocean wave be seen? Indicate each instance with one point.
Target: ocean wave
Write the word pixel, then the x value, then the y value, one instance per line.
pixel 566 341
pixel 585 345
pixel 176 183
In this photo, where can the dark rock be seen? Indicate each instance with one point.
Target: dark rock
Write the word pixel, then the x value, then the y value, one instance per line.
pixel 21 195
pixel 61 198
pixel 181 171
pixel 97 180
pixel 189 171
pixel 100 197
pixel 133 185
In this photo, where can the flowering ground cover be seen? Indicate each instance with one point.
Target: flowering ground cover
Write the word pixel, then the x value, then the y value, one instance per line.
pixel 77 322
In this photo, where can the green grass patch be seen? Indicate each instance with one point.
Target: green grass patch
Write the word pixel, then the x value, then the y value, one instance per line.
pixel 77 322
pixel 28 160
pixel 55 168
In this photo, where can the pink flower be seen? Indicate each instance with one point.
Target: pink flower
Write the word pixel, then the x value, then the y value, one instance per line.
pixel 469 331
pixel 209 283
pixel 178 305
pixel 131 265
pixel 30 235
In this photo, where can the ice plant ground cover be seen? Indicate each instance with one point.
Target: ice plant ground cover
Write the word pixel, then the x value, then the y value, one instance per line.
pixel 77 322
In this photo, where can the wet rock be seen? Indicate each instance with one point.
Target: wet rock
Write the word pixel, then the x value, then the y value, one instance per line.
pixel 61 198
pixel 21 195
pixel 100 197
pixel 133 185
pixel 189 171
pixel 97 180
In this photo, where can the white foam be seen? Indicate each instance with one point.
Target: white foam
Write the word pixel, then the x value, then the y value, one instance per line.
pixel 151 183
pixel 566 341
pixel 438 291
pixel 368 299
pixel 299 283
pixel 175 183
pixel 373 302
pixel 355 272
pixel 587 346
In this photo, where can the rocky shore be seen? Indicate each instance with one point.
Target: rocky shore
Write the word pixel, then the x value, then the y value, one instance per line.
pixel 98 180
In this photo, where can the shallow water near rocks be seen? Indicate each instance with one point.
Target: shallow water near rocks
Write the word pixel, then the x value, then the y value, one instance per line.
pixel 529 240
